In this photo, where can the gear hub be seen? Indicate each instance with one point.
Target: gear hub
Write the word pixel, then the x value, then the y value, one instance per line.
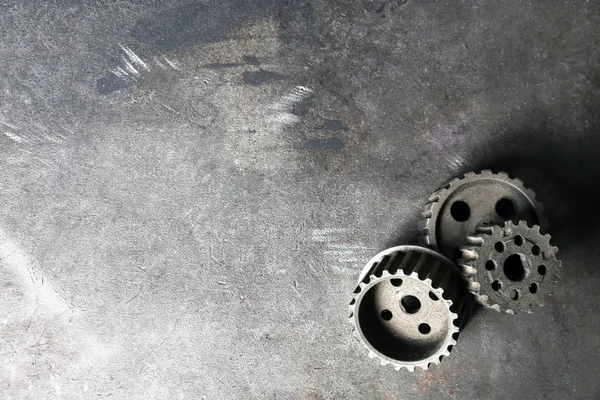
pixel 510 267
pixel 409 306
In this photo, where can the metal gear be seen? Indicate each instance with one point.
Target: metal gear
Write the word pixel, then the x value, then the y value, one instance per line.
pixel 456 209
pixel 510 267
pixel 408 307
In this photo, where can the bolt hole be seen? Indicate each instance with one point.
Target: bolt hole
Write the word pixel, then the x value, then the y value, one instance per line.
pixel 424 329
pixel 506 208
pixel 396 282
pixel 433 296
pixel 515 267
pixel 410 304
pixel 535 250
pixel 460 211
pixel 542 269
pixel 519 240
pixel 533 288
pixel 499 246
pixel 490 265
pixel 496 285
pixel 514 295
pixel 386 315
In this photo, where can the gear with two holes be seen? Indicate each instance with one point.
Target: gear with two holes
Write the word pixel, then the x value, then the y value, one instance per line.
pixel 461 205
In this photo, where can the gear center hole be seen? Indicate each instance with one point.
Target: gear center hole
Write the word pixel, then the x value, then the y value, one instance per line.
pixel 410 304
pixel 516 267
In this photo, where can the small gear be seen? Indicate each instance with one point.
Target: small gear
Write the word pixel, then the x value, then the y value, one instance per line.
pixel 459 207
pixel 409 306
pixel 510 267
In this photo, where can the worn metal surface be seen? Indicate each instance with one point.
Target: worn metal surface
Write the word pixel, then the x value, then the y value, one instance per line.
pixel 189 190
pixel 460 206
pixel 510 267
pixel 409 306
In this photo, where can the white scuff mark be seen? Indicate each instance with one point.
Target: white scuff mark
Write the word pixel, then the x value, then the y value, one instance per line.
pixel 295 290
pixel 456 162
pixel 160 64
pixel 134 57
pixel 339 252
pixel 6 124
pixel 14 137
pixel 284 106
pixel 120 73
pixel 347 246
pixel 53 139
pixel 343 270
pixel 130 67
pixel 40 291
pixel 172 64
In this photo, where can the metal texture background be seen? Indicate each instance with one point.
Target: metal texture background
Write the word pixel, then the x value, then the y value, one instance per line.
pixel 189 190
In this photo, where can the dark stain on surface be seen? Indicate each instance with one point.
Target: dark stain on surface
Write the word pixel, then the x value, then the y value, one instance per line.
pixel 332 125
pixel 332 143
pixel 222 65
pixel 197 23
pixel 251 60
pixel 260 77
pixel 110 83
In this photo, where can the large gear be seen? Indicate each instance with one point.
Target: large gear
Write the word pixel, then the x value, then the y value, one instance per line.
pixel 459 207
pixel 510 267
pixel 409 306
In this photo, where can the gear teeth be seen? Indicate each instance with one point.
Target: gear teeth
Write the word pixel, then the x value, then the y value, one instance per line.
pixel 474 240
pixel 472 263
pixel 469 255
pixel 474 286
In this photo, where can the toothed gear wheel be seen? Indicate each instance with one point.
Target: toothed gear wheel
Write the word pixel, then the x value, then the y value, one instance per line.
pixel 510 267
pixel 459 207
pixel 408 307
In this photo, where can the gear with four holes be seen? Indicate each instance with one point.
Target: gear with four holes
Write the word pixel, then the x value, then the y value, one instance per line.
pixel 460 206
pixel 409 306
pixel 510 267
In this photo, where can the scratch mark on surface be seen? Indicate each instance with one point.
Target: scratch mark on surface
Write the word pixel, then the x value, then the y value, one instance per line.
pixel 159 63
pixel 14 137
pixel 295 290
pixel 130 67
pixel 134 57
pixel 456 162
pixel 172 64
pixel 284 106
pixel 169 335
pixel 136 295
pixel 9 125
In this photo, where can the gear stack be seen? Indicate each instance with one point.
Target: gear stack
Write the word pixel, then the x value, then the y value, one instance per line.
pixel 484 240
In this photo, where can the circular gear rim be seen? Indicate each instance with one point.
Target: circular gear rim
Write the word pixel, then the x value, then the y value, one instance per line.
pixel 427 226
pixel 470 262
pixel 368 281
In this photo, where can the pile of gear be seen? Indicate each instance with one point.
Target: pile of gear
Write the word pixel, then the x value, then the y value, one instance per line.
pixel 484 240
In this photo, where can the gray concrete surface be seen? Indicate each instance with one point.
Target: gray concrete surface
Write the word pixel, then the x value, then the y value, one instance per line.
pixel 188 190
